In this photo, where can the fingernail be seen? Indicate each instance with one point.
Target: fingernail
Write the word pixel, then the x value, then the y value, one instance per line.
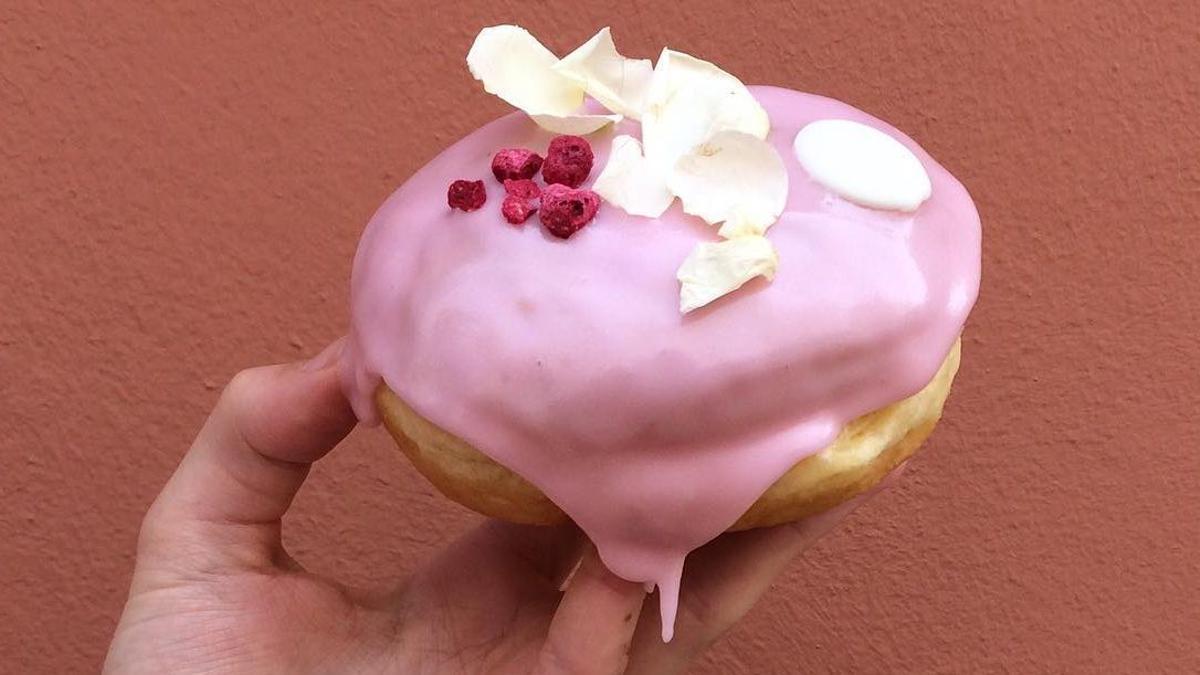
pixel 326 358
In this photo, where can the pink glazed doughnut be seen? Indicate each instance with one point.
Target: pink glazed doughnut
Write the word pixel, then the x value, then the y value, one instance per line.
pixel 535 379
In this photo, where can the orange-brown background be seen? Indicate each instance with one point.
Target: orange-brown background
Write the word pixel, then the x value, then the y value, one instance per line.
pixel 182 188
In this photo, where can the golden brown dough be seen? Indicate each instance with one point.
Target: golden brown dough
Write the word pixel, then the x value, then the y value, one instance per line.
pixel 867 449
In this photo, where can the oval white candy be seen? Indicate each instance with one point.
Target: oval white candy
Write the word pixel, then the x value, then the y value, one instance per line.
pixel 862 164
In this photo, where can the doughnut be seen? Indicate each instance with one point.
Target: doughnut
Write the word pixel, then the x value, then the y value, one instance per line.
pixel 540 378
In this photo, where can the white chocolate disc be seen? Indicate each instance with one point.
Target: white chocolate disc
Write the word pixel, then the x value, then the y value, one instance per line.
pixel 862 164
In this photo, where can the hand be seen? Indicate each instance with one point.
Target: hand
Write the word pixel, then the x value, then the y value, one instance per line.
pixel 215 592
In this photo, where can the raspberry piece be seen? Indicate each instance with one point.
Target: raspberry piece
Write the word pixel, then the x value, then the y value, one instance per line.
pixel 524 188
pixel 517 210
pixel 522 200
pixel 565 210
pixel 467 195
pixel 568 161
pixel 515 164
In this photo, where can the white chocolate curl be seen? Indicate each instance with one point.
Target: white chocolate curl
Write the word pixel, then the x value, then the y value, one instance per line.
pixel 514 66
pixel 732 178
pixel 629 181
pixel 714 269
pixel 862 164
pixel 618 83
pixel 689 101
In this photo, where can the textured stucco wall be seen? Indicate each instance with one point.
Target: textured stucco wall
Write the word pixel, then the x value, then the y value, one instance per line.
pixel 181 191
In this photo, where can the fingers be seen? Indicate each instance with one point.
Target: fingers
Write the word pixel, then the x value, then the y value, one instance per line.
pixel 223 505
pixel 592 629
pixel 722 582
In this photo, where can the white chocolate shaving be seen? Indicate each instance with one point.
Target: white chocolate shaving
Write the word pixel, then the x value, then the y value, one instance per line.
pixel 862 164
pixel 514 66
pixel 732 178
pixel 689 100
pixel 631 183
pixel 618 83
pixel 714 269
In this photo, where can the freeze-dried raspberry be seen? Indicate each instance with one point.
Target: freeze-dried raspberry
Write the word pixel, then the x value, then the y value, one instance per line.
pixel 517 210
pixel 568 161
pixel 522 200
pixel 524 188
pixel 467 195
pixel 565 210
pixel 515 164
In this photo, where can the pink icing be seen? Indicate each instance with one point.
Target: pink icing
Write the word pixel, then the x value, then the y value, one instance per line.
pixel 569 362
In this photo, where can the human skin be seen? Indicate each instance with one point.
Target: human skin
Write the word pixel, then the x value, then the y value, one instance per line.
pixel 214 591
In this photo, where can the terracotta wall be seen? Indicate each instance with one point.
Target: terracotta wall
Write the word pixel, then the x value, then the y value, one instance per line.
pixel 181 191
